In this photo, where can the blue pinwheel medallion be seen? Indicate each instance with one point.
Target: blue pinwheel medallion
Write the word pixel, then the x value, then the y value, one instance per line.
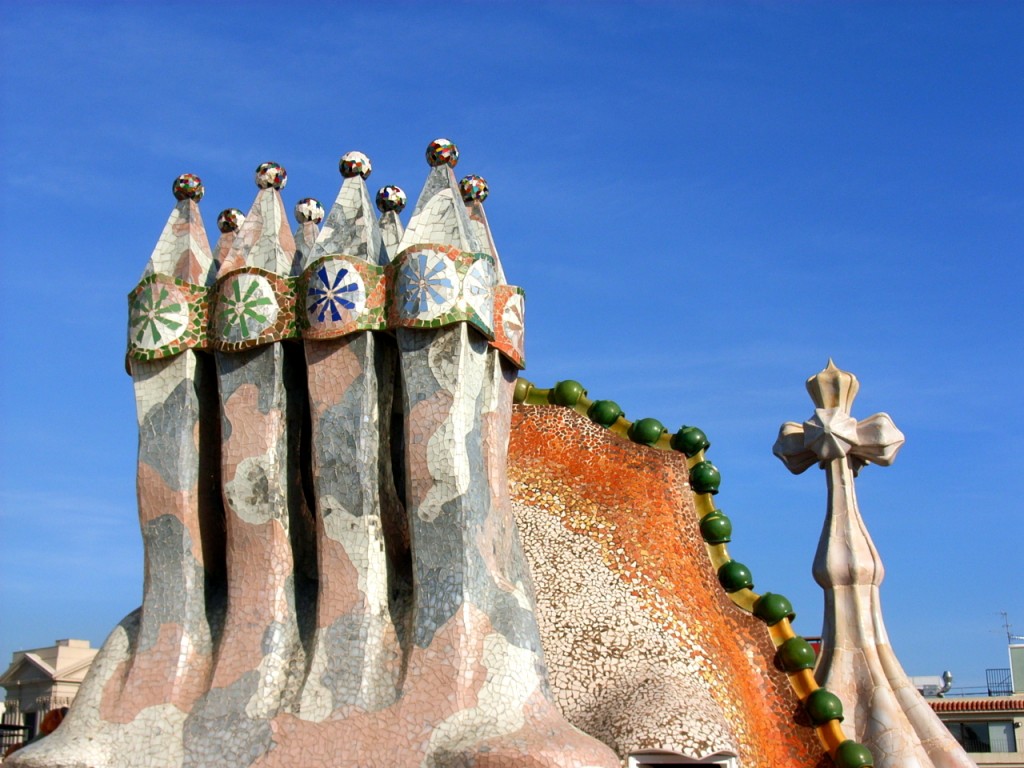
pixel 336 294
pixel 428 285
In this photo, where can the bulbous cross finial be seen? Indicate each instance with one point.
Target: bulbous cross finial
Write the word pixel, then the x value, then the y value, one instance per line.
pixel 831 433
pixel 857 663
pixel 833 388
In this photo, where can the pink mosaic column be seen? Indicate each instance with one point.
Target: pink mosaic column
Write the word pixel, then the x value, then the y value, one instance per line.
pixel 260 660
pixel 179 505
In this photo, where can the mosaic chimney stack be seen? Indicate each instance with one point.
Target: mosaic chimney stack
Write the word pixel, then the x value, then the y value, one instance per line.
pixel 347 496
pixel 356 659
pixel 884 709
pixel 474 633
pixel 157 662
pixel 261 658
pixel 177 494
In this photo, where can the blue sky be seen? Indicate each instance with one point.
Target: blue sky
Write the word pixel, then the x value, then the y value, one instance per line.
pixel 703 201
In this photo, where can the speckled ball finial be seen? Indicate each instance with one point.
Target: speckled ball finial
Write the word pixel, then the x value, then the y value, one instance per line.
pixel 309 209
pixel 230 220
pixel 391 198
pixel 271 175
pixel 354 164
pixel 474 188
pixel 188 186
pixel 442 152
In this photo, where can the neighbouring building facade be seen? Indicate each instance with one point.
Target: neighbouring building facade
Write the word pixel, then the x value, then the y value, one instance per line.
pixel 990 728
pixel 38 680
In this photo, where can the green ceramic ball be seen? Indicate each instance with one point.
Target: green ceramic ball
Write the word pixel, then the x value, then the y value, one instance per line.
pixel 716 528
pixel 522 392
pixel 796 654
pixel 705 478
pixel 690 441
pixel 646 431
pixel 604 412
pixel 734 576
pixel 568 393
pixel 850 754
pixel 771 609
pixel 823 706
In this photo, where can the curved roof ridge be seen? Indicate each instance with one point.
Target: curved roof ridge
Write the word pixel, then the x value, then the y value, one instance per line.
pixel 794 654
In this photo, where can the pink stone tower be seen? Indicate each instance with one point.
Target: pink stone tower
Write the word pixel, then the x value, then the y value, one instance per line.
pixel 883 708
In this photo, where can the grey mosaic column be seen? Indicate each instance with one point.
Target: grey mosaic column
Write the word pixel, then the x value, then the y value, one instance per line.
pixel 355 659
pixel 476 652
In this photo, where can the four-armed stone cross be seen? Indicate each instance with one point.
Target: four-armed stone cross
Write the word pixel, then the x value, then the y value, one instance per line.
pixel 857 663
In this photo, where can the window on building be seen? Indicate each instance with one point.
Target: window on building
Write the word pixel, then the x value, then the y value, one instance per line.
pixel 985 736
pixel 30 725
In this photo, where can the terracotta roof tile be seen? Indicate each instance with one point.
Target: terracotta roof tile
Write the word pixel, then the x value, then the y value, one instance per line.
pixel 1014 704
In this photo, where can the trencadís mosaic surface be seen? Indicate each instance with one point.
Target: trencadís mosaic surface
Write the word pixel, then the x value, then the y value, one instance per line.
pixel 347 564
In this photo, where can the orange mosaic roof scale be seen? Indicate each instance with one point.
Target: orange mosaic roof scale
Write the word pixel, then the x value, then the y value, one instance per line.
pixel 558 450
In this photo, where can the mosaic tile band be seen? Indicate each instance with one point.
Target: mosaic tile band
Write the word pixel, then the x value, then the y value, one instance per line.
pixel 436 285
pixel 251 307
pixel 342 296
pixel 166 317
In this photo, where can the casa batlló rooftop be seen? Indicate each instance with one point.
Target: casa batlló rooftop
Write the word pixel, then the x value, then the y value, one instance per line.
pixel 371 541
